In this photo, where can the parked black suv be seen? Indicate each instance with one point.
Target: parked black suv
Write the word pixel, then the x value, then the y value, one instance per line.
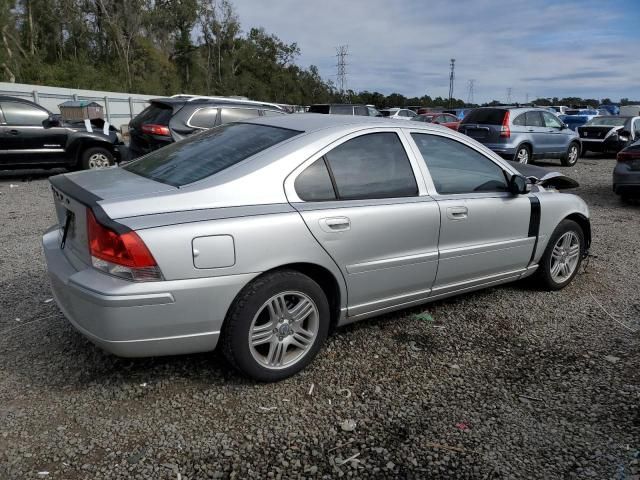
pixel 168 120
pixel 31 136
pixel 345 109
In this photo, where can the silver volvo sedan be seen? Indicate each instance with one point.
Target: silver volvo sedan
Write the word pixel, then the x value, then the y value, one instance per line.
pixel 264 235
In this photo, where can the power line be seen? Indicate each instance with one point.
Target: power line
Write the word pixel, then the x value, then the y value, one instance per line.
pixel 342 52
pixel 452 75
pixel 470 92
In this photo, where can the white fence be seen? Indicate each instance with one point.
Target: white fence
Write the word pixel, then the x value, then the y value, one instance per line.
pixel 119 108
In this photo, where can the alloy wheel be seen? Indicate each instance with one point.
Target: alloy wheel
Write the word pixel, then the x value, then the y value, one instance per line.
pixel 98 160
pixel 572 157
pixel 523 155
pixel 284 330
pixel 565 257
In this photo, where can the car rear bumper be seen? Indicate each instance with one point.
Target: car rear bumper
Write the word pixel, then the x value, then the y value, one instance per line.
pixel 596 145
pixel 143 319
pixel 625 180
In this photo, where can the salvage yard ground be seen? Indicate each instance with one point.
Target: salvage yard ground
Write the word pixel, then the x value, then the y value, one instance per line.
pixel 509 382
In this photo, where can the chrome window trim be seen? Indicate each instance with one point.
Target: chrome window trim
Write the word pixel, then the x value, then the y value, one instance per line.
pixel 289 187
pixel 188 122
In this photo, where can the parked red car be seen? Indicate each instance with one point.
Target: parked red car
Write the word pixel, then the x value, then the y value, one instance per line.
pixel 445 119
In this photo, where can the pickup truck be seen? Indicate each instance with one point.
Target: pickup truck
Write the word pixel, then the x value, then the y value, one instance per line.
pixel 33 137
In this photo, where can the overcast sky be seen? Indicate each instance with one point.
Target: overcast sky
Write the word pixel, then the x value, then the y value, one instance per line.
pixel 588 48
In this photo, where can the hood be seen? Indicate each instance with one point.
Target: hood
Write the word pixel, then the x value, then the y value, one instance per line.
pixel 545 177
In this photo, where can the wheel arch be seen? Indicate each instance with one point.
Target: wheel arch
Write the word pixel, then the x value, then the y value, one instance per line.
pixel 528 144
pixel 585 225
pixel 79 146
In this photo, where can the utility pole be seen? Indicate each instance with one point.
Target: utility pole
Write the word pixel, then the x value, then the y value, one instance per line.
pixel 341 78
pixel 527 98
pixel 452 75
pixel 509 96
pixel 470 91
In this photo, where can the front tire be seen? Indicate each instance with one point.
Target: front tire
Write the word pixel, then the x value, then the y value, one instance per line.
pixel 523 155
pixel 561 259
pixel 570 158
pixel 95 158
pixel 276 326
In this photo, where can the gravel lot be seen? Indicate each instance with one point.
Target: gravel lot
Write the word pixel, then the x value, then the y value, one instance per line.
pixel 509 382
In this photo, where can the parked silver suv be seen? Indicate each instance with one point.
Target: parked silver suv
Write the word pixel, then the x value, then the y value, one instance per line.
pixel 522 134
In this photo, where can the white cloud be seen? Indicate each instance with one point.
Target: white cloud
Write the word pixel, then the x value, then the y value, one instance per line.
pixel 555 49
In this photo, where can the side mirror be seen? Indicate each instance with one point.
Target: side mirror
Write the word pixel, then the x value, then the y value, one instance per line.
pixel 564 126
pixel 517 184
pixel 52 121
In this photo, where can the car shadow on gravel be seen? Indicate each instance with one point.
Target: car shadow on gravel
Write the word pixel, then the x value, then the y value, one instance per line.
pixel 26 175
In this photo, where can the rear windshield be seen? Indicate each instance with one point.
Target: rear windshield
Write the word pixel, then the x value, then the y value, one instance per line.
pixel 156 113
pixel 319 109
pixel 607 121
pixel 485 116
pixel 208 153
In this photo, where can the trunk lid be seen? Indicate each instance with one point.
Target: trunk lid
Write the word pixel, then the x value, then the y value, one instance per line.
pixel 74 193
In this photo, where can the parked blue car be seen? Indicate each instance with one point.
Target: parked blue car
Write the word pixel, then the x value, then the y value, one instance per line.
pixel 611 108
pixel 577 118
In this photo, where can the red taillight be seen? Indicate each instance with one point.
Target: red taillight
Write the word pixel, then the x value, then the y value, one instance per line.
pixel 505 131
pixel 154 129
pixel 628 156
pixel 121 254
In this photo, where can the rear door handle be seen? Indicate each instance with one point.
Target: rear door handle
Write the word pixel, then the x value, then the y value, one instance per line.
pixel 14 132
pixel 457 213
pixel 335 224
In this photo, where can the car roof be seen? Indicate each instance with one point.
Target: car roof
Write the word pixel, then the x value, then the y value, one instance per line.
pixel 339 104
pixel 184 100
pixel 313 122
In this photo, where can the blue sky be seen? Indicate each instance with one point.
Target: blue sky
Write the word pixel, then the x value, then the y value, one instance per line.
pixel 588 48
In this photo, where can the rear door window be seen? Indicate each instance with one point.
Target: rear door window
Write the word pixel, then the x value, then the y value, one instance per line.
pixel 373 165
pixel 456 168
pixel 204 118
pixel 534 119
pixel 314 183
pixel 361 111
pixel 228 115
pixel 23 114
pixel 208 153
pixel 520 120
pixel 485 116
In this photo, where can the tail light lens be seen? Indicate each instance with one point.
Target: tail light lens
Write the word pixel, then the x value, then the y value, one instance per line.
pixel 505 131
pixel 628 156
pixel 153 129
pixel 122 255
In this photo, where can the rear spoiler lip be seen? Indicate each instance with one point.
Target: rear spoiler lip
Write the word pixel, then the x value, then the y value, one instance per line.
pixel 65 186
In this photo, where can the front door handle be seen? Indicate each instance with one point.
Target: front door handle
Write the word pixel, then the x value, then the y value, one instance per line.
pixel 457 213
pixel 14 132
pixel 335 224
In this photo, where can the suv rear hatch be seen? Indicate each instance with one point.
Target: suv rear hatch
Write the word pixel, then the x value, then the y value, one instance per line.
pixel 150 130
pixel 76 193
pixel 485 124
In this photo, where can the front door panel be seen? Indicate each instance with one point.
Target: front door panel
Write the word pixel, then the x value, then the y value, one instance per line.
pixel 386 249
pixel 481 237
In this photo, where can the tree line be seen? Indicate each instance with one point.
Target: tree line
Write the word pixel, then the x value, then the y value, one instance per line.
pixel 163 47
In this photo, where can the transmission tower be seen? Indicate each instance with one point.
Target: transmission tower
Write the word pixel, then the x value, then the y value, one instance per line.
pixel 470 91
pixel 341 77
pixel 452 75
pixel 509 96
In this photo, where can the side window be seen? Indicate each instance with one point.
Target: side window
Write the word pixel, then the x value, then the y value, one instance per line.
pixel 637 126
pixel 204 118
pixel 456 168
pixel 520 120
pixel 342 109
pixel 534 119
pixel 361 111
pixel 314 183
pixel 373 165
pixel 237 114
pixel 271 113
pixel 18 113
pixel 410 113
pixel 551 121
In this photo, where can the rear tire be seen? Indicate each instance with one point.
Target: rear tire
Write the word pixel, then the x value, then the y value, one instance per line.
pixel 263 336
pixel 570 158
pixel 523 155
pixel 94 158
pixel 558 266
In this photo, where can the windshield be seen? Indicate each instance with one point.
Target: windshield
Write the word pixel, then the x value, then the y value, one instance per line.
pixel 208 153
pixel 607 121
